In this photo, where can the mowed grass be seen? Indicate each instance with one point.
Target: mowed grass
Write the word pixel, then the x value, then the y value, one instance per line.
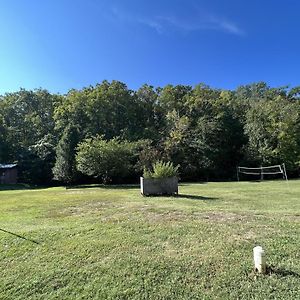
pixel 112 243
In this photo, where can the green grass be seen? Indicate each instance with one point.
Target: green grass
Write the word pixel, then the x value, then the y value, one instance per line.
pixel 112 243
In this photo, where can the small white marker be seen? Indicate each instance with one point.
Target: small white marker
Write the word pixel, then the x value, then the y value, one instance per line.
pixel 259 259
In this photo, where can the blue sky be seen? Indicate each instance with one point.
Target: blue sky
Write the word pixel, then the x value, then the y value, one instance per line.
pixel 64 44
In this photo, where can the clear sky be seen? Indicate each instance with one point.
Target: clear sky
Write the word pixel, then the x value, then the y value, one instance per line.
pixel 63 44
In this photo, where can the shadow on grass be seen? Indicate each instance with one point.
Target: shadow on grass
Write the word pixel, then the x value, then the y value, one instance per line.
pixel 20 186
pixel 19 236
pixel 103 186
pixel 192 182
pixel 195 197
pixel 182 196
pixel 281 272
pixel 118 186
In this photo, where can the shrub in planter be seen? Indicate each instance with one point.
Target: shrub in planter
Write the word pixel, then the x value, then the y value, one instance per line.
pixel 161 180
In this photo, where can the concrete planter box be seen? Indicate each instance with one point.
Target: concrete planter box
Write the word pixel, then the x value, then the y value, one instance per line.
pixel 161 186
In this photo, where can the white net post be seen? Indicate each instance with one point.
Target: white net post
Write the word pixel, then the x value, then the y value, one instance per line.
pixel 263 171
pixel 284 172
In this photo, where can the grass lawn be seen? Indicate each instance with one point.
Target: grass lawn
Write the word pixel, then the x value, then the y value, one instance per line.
pixel 112 243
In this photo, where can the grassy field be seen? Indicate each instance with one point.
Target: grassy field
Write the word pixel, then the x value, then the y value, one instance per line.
pixel 112 243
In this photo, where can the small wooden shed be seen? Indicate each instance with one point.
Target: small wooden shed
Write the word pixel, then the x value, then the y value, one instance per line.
pixel 8 173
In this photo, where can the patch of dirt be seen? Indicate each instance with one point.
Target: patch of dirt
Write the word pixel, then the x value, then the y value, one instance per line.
pixel 222 217
pixel 295 217
pixel 85 209
pixel 167 216
pixel 177 216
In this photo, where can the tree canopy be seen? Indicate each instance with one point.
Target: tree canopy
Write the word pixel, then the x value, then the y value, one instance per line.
pixel 207 131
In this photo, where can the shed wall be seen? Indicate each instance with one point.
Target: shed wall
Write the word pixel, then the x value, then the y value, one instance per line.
pixel 8 176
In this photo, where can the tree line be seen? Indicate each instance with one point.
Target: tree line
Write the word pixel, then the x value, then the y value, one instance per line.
pixel 109 133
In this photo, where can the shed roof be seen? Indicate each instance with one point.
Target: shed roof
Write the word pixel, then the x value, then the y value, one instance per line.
pixel 7 166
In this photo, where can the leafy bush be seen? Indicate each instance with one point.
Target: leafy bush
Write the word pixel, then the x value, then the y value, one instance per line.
pixel 161 169
pixel 105 159
pixel 147 154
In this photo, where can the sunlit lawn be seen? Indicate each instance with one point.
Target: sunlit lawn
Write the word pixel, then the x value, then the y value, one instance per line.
pixel 112 243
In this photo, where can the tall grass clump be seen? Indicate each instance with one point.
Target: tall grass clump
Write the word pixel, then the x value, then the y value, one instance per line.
pixel 161 169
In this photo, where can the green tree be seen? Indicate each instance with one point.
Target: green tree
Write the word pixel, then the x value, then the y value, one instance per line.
pixel 150 113
pixel 108 109
pixel 174 97
pixel 106 160
pixel 26 119
pixel 64 169
pixel 4 147
pixel 273 129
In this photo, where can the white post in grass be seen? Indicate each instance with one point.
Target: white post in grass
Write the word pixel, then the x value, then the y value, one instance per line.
pixel 259 260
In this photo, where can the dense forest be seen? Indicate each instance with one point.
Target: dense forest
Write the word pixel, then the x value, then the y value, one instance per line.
pixel 109 133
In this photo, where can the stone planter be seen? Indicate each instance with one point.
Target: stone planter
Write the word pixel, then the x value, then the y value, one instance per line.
pixel 161 186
